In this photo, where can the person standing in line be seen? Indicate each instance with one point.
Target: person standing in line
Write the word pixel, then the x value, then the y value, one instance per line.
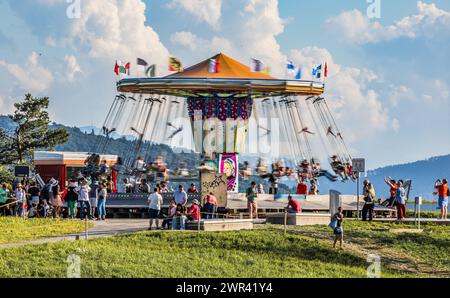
pixel 93 197
pixel 400 200
pixel 210 205
pixel 180 196
pixel 338 230
pixel 252 196
pixel 443 192
pixel 155 201
pixel 21 197
pixel 33 193
pixel 71 198
pixel 369 199
pixel 55 199
pixel 101 195
pixel 83 198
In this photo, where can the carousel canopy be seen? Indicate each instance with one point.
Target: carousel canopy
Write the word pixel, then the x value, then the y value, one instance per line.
pixel 233 78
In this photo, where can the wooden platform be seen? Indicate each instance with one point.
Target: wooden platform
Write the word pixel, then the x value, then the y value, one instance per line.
pixel 300 219
pixel 214 225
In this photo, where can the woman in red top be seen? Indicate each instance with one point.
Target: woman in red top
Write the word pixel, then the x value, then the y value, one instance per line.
pixel 194 210
pixel 393 189
pixel 442 191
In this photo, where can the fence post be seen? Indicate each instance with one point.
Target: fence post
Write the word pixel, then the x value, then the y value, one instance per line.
pixel 85 227
pixel 285 221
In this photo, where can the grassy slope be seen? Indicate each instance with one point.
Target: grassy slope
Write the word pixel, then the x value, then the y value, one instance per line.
pixel 422 254
pixel 14 229
pixel 265 252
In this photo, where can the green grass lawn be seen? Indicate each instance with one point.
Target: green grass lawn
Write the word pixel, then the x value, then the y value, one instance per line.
pixel 264 252
pixel 15 229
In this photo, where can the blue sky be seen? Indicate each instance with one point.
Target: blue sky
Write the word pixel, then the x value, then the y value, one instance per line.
pixel 388 86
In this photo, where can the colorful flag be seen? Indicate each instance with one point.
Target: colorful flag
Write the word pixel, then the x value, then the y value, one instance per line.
pixel 326 70
pixel 141 65
pixel 175 64
pixel 298 73
pixel 257 65
pixel 141 62
pixel 292 71
pixel 267 71
pixel 290 68
pixel 150 72
pixel 120 68
pixel 317 72
pixel 213 66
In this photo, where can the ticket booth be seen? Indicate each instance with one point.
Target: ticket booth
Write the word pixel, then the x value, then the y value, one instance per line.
pixel 64 166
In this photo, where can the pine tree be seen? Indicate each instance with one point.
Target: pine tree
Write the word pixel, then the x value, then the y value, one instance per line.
pixel 31 132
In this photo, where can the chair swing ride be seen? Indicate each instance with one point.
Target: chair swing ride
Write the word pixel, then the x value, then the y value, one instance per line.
pixel 222 107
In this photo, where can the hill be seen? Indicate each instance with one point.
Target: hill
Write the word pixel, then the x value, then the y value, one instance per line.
pixel 423 173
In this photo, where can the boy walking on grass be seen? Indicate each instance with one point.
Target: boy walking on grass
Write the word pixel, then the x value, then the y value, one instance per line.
pixel 338 230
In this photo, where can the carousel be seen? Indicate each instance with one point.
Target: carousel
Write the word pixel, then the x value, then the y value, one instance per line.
pixel 221 109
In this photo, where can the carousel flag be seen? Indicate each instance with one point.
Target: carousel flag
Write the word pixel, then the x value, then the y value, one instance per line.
pixel 142 64
pixel 120 68
pixel 213 66
pixel 290 68
pixel 317 71
pixel 175 64
pixel 298 73
pixel 257 65
pixel 150 72
pixel 295 72
pixel 326 70
pixel 267 71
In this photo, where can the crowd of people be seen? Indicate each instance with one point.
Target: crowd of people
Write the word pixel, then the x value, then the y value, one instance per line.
pixel 80 199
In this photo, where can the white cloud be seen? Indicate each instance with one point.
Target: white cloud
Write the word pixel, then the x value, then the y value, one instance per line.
pixel 208 11
pixel 115 29
pixel 72 67
pixel 186 39
pixel 32 77
pixel 354 26
pixel 206 47
pixel 258 35
pixel 348 93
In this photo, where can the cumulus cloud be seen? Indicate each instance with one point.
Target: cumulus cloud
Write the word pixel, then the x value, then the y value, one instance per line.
pixel 348 92
pixel 72 67
pixel 260 29
pixel 208 11
pixel 116 29
pixel 430 21
pixel 195 43
pixel 32 77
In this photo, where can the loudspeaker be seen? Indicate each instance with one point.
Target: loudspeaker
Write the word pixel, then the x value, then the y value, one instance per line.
pixel 22 171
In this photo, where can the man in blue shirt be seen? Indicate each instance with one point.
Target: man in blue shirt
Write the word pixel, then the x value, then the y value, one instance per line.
pixel 180 196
